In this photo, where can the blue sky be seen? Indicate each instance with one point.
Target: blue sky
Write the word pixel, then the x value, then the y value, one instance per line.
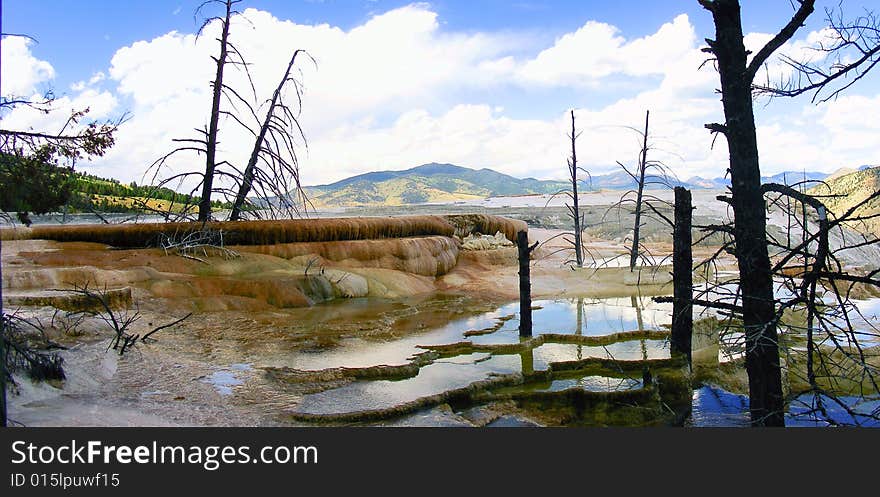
pixel 481 83
pixel 80 38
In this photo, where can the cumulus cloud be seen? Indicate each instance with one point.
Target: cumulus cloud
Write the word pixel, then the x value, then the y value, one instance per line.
pixel 399 90
pixel 22 72
pixel 23 76
pixel 597 50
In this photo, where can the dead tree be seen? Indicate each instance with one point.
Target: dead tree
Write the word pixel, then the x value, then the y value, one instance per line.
pixel 848 50
pixel 643 162
pixel 766 401
pixel 818 285
pixel 682 270
pixel 762 351
pixel 574 209
pixel 211 138
pixel 275 149
pixel 120 322
pixel 206 143
pixel 759 313
pixel 272 170
pixel 576 236
pixel 525 284
pixel 643 175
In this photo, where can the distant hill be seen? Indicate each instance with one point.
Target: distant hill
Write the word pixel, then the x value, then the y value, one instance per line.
pixel 707 183
pixel 91 193
pixel 792 177
pixel 426 183
pixel 440 183
pixel 850 189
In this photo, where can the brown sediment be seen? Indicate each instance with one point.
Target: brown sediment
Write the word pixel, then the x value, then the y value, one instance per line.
pixel 614 364
pixel 426 256
pixel 381 372
pixel 118 298
pixel 491 329
pixel 606 339
pixel 579 397
pixel 243 232
pixel 502 256
pixel 280 292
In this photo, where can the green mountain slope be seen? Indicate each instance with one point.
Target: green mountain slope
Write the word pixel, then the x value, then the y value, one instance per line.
pixel 850 189
pixel 93 193
pixel 427 183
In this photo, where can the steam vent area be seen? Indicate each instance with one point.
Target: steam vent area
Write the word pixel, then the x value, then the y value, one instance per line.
pixel 392 321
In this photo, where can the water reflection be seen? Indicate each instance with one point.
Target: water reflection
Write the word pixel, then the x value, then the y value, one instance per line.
pixel 436 378
pixel 584 317
pixel 588 317
pixel 715 407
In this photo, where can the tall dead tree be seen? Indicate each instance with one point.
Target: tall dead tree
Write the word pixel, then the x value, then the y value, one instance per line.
pixel 737 74
pixel 213 126
pixel 643 163
pixel 272 170
pixel 574 238
pixel 813 272
pixel 273 166
pixel 645 173
pixel 574 208
pixel 812 278
pixel 206 142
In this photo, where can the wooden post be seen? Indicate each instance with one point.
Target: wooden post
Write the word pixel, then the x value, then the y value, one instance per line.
pixel 682 272
pixel 525 284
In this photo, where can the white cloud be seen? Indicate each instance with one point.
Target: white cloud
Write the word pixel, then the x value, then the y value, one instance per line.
pixel 22 72
pixel 597 50
pixel 22 76
pixel 399 90
pixel 153 72
pixel 97 78
pixel 101 105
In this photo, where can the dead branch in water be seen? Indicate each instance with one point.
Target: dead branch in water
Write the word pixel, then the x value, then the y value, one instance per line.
pixel 27 348
pixel 119 322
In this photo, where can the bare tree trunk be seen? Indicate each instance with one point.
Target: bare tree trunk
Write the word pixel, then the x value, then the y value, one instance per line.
pixel 643 165
pixel 525 284
pixel 211 139
pixel 2 351
pixel 756 279
pixel 527 360
pixel 248 177
pixel 682 271
pixel 580 325
pixel 575 209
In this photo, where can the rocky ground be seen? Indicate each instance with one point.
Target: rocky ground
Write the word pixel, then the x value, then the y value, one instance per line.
pixel 210 370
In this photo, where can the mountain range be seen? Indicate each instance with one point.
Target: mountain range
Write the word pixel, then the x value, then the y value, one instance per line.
pixel 440 183
pixel 844 190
